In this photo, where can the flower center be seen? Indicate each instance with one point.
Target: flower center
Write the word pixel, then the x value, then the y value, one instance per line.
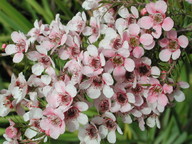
pixel 158 18
pixel 137 89
pixel 55 120
pixel 46 61
pixel 97 81
pixel 134 42
pixel 92 132
pixel 122 98
pixel 110 124
pixel 144 70
pixel 118 60
pixel 72 113
pixel 129 76
pixel 173 45
pixel 96 63
pixel 65 99
pixel 104 106
pixel 117 43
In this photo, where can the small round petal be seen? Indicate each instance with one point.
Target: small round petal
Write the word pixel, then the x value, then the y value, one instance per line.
pixel 149 47
pixel 138 52
pixel 127 119
pixel 92 50
pixel 134 29
pixel 108 91
pixel 183 41
pixel 158 31
pixel 111 137
pixel 183 85
pixel 146 39
pixel 82 106
pixel 129 65
pixel 37 69
pixel 165 55
pixel 167 24
pixel 155 72
pixel 127 107
pixel 108 78
pixel 124 52
pixel 179 96
pixel 71 90
pixel 93 92
pixel 103 131
pixel 123 12
pixel 88 71
pixel 161 6
pixel 145 22
pixel 10 49
pixel 176 54
pixel 18 57
pixel 82 118
pixel 119 71
pixel 151 122
pixel 131 97
pixel 162 100
pixel 134 11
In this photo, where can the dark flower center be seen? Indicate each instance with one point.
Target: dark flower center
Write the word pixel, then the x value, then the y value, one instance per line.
pixel 104 106
pixel 122 98
pixel 72 113
pixel 118 60
pixel 158 18
pixel 134 42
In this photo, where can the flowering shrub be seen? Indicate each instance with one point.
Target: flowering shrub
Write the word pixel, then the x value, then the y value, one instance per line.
pixel 114 62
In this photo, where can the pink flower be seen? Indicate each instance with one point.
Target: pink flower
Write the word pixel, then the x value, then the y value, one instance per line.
pixel 62 95
pixel 157 18
pixel 19 48
pixel 96 84
pixel 89 134
pixel 93 62
pixel 11 131
pixel 53 122
pixel 171 46
pixel 74 117
pixel 94 31
pixel 108 127
pixel 156 94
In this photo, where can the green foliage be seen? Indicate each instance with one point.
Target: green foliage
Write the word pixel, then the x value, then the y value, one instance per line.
pixel 176 122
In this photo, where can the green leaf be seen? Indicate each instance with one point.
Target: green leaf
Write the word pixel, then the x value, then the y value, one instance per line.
pixel 16 16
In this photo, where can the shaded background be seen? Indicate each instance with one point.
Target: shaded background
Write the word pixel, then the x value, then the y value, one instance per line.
pixel 177 119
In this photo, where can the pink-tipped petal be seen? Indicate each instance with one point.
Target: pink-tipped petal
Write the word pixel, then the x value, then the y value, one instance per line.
pixel 134 29
pixel 165 55
pixel 167 24
pixel 129 65
pixel 145 22
pixel 18 57
pixel 161 6
pixel 11 49
pixel 162 100
pixel 176 54
pixel 134 11
pixel 119 71
pixel 146 39
pixel 138 52
pixel 158 31
pixel 183 41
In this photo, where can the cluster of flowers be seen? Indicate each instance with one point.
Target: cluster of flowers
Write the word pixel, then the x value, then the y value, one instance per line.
pixel 108 67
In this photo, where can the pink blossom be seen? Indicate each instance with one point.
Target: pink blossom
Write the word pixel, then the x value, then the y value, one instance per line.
pixel 21 45
pixel 171 46
pixel 156 19
pixel 53 122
